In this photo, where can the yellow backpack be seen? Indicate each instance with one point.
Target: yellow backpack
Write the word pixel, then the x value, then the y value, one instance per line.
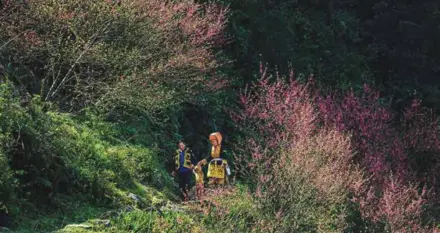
pixel 216 168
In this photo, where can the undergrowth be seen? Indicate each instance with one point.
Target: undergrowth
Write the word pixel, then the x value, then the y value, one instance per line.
pixel 48 155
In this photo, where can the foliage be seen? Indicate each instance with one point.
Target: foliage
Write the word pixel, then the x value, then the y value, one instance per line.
pixel 134 62
pixel 228 211
pixel 396 175
pixel 52 153
pixel 296 34
pixel 299 144
pixel 369 120
pixel 297 166
pixel 100 54
pixel 8 115
pixel 102 90
pixel 403 39
pixel 7 183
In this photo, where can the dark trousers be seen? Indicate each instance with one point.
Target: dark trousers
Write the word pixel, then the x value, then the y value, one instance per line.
pixel 184 179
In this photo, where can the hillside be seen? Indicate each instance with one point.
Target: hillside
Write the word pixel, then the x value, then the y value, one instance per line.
pixel 328 110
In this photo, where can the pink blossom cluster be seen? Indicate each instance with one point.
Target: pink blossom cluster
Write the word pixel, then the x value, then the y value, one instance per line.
pixel 281 114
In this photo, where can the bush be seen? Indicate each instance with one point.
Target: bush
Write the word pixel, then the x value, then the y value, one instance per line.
pixel 306 174
pixel 139 55
pixel 399 172
pixel 7 182
pixel 310 184
pixel 299 144
pixel 9 116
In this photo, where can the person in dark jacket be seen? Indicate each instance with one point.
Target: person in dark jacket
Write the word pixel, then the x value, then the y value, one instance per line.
pixel 184 163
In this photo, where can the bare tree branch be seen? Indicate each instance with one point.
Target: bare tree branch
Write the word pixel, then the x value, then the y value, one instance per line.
pixel 66 77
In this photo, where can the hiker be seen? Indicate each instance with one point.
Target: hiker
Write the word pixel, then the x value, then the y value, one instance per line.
pixel 184 159
pixel 217 161
pixel 198 173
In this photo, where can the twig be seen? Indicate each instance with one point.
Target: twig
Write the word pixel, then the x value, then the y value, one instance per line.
pixel 49 94
pixel 9 41
pixel 91 42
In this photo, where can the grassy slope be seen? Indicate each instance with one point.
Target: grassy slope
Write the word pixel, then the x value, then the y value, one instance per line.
pixel 74 209
pixel 227 211
pixel 98 172
pixel 94 169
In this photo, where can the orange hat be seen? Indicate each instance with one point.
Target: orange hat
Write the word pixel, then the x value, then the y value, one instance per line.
pixel 216 136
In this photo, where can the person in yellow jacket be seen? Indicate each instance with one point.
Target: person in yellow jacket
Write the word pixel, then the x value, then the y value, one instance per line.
pixel 184 163
pixel 198 173
pixel 217 159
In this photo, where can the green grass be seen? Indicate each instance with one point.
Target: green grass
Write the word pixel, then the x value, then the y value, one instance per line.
pixel 71 209
pixel 233 211
pixel 64 169
pixel 77 209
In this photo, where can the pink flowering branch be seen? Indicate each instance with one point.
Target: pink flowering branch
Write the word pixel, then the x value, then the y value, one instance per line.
pixel 284 118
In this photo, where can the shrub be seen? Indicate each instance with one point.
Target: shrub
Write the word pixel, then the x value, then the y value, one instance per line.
pixel 288 122
pixel 304 174
pixel 139 55
pixel 310 184
pixel 421 140
pixel 369 122
pixel 375 127
pixel 7 182
pixel 9 116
